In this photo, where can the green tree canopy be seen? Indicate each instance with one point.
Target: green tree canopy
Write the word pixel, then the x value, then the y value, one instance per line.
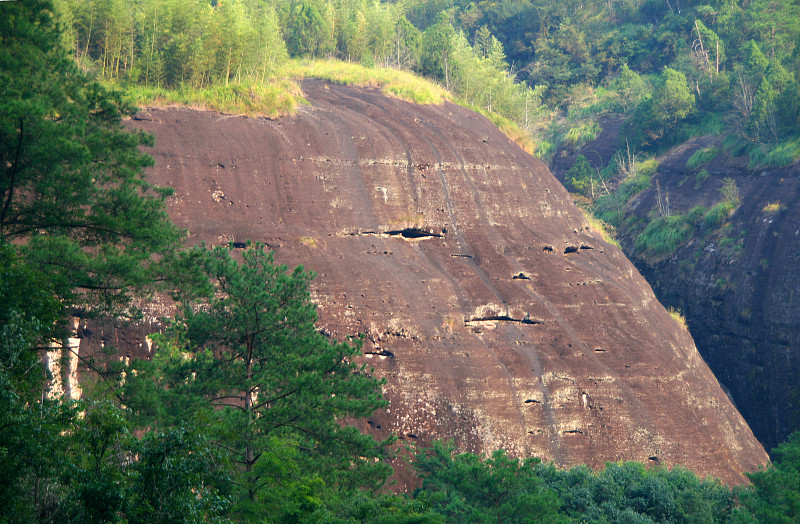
pixel 73 198
pixel 672 101
pixel 264 379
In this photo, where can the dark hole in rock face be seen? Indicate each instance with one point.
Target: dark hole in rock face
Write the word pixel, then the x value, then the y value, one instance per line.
pixel 380 353
pixel 411 435
pixel 587 247
pixel 653 458
pixel 461 256
pixel 570 249
pixel 238 245
pixel 505 318
pixel 521 276
pixel 599 350
pixel 531 400
pixel 573 432
pixel 548 249
pixel 412 232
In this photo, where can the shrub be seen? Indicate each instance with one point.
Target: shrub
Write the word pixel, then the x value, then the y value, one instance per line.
pixel 664 235
pixel 676 314
pixel 718 214
pixel 772 207
pixel 695 214
pixel 730 191
pixel 701 157
pixel 582 133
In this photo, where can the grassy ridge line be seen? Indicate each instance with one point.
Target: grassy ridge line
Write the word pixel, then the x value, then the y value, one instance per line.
pixel 282 95
pixel 276 97
pixel 392 82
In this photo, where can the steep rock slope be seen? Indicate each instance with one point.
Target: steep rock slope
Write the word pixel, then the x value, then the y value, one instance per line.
pixel 498 317
pixel 739 283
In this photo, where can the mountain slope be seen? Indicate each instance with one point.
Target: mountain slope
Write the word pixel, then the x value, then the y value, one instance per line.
pixel 737 281
pixel 497 316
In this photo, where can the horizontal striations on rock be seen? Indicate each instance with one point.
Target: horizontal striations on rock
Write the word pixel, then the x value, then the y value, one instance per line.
pixel 499 318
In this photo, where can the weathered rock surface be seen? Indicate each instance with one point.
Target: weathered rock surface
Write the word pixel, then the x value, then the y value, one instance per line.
pixel 739 286
pixel 498 317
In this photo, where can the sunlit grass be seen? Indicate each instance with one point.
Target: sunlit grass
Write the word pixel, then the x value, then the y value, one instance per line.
pixel 392 82
pixel 606 230
pixel 582 133
pixel 282 94
pixel 772 207
pixel 677 314
pixel 514 132
pixel 271 99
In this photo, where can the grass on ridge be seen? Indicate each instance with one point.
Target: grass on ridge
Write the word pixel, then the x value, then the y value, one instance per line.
pixel 271 99
pixel 605 229
pixel 392 82
pixel 281 95
pixel 678 316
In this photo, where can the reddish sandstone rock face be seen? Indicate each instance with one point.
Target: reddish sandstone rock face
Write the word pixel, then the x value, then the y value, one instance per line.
pixel 497 316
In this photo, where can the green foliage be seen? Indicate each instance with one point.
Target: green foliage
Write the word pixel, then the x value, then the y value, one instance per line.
pixel 611 207
pixel 701 157
pixel 718 214
pixel 582 177
pixel 696 214
pixel 176 478
pixel 664 235
pixel 29 312
pixel 784 154
pixel 75 203
pixel 672 101
pixel 775 493
pixel 465 488
pixel 400 84
pixel 630 88
pixel 630 492
pixel 468 488
pixel 272 99
pixel 309 31
pixel 265 381
pixel 711 58
pixel 582 134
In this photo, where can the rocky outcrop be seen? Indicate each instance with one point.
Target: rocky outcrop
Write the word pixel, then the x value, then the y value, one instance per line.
pixel 739 283
pixel 498 317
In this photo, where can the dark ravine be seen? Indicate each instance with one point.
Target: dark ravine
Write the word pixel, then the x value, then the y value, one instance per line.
pixel 738 287
pixel 575 361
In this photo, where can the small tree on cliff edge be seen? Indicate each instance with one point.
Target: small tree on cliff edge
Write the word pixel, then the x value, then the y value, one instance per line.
pixel 268 384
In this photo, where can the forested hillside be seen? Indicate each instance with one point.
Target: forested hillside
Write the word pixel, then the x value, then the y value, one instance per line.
pixel 673 69
pixel 215 428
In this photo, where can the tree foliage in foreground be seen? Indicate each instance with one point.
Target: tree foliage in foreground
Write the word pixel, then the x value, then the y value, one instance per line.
pixel 774 496
pixel 74 202
pixel 271 390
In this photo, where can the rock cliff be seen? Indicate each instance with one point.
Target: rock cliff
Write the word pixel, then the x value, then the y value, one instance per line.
pixel 739 284
pixel 498 317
